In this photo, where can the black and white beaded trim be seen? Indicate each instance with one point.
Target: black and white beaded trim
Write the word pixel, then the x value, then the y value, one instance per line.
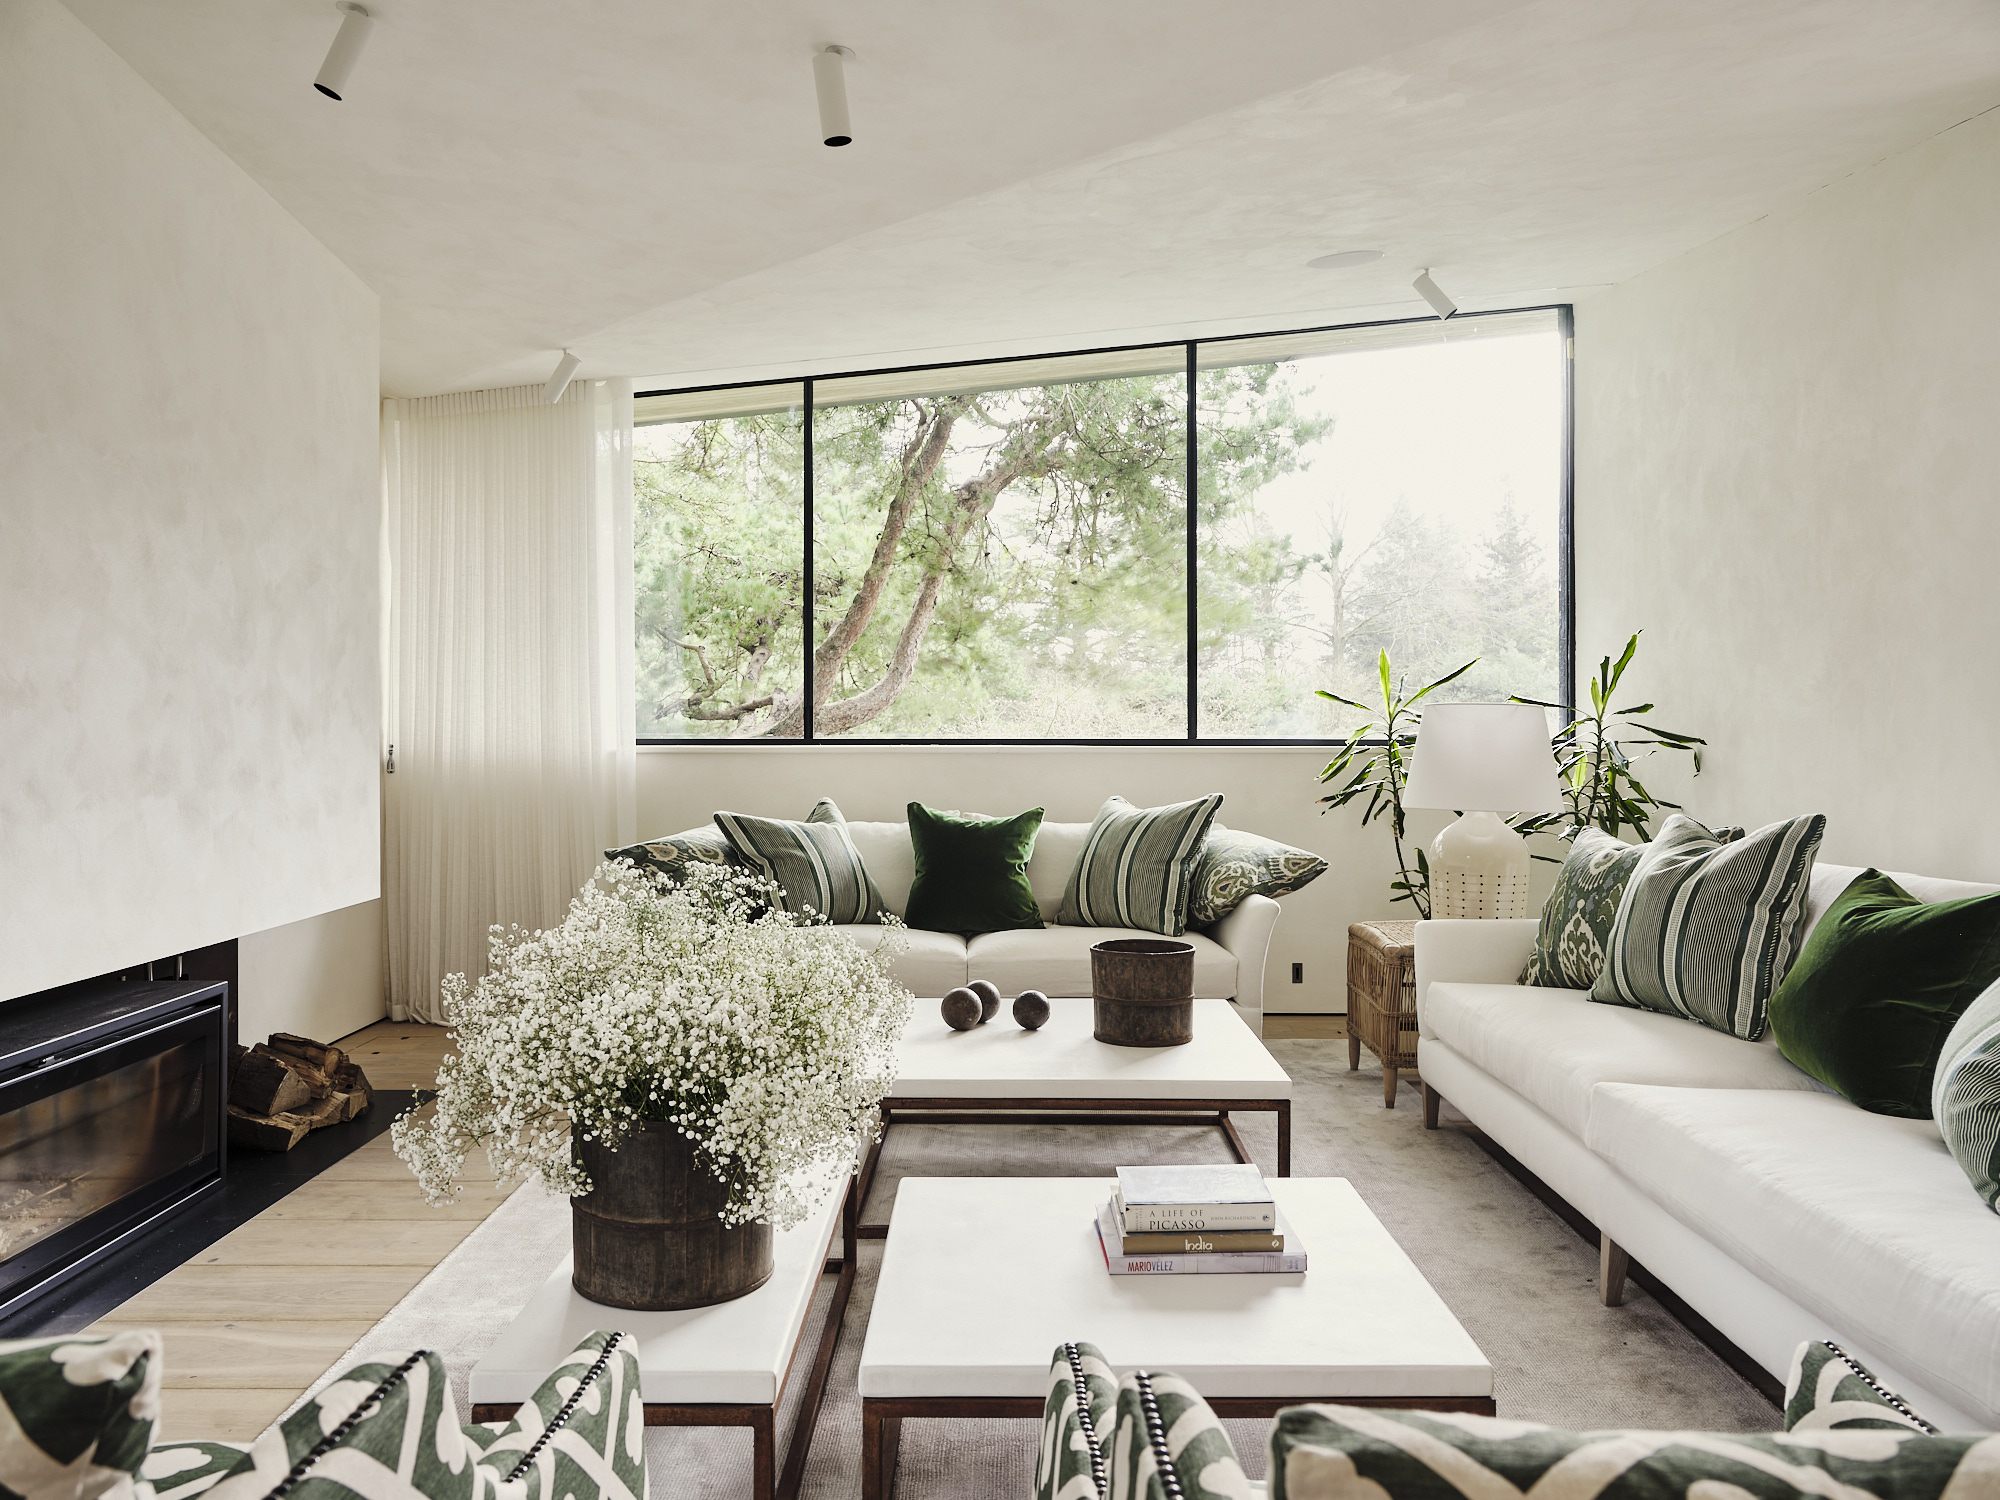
pixel 1085 1420
pixel 1156 1437
pixel 1889 1397
pixel 328 1443
pixel 562 1417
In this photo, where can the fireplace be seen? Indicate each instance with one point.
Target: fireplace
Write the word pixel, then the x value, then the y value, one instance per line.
pixel 112 1115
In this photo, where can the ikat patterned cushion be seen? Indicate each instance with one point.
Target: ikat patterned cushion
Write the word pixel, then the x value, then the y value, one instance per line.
pixel 1828 1389
pixel 1352 1453
pixel 1235 866
pixel 1077 1419
pixel 180 1471
pixel 672 856
pixel 1576 924
pixel 77 1414
pixel 1170 1445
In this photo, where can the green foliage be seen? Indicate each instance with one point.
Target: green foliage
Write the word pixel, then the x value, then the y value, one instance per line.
pixel 1375 763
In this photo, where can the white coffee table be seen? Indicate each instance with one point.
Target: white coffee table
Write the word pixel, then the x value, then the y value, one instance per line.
pixel 982 1278
pixel 721 1366
pixel 1066 1076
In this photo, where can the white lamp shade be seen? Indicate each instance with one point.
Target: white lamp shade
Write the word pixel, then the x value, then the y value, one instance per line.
pixel 1484 757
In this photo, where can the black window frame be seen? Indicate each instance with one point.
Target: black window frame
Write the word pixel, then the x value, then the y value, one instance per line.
pixel 1565 540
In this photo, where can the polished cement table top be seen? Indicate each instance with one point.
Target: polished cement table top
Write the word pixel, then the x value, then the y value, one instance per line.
pixel 982 1277
pixel 1001 1060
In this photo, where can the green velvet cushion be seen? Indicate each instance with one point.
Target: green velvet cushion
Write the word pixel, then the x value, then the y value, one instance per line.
pixel 972 873
pixel 1878 987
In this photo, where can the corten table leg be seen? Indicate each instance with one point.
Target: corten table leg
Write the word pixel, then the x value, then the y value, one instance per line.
pixel 1284 1137
pixel 763 1466
pixel 871 1452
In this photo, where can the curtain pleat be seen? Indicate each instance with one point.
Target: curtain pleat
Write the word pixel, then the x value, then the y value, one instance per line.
pixel 508 680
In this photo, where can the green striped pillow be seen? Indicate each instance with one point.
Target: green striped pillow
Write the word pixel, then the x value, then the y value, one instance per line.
pixel 1170 1445
pixel 1965 1093
pixel 814 864
pixel 1706 930
pixel 1137 866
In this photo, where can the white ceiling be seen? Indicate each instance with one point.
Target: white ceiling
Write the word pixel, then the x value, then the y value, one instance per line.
pixel 643 182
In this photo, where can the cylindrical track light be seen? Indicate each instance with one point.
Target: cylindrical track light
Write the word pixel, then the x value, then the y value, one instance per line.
pixel 1432 293
pixel 559 381
pixel 355 24
pixel 830 82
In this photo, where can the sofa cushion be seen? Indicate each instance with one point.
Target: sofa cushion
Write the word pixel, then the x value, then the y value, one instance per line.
pixel 1577 918
pixel 1056 960
pixel 932 963
pixel 1137 866
pixel 1078 1416
pixel 1860 1218
pixel 1830 882
pixel 1965 1095
pixel 1553 1047
pixel 672 855
pixel 814 864
pixel 77 1414
pixel 1830 1388
pixel 1234 866
pixel 891 860
pixel 972 872
pixel 1058 846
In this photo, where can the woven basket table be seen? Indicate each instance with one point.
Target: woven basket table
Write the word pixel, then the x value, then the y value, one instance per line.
pixel 1382 998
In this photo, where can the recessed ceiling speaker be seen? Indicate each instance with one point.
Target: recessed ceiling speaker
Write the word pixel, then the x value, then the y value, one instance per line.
pixel 830 83
pixel 559 381
pixel 1432 293
pixel 355 24
pixel 1340 260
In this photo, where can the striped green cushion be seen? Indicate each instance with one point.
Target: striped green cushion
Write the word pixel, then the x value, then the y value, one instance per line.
pixel 1706 930
pixel 1077 1420
pixel 1235 865
pixel 1965 1094
pixel 1137 866
pixel 1170 1445
pixel 1827 1389
pixel 814 864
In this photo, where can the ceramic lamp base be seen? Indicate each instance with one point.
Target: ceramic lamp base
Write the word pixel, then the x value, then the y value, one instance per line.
pixel 1479 869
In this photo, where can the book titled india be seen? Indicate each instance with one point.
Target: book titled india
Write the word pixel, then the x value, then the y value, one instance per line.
pixel 1288 1262
pixel 1199 1242
pixel 1210 1198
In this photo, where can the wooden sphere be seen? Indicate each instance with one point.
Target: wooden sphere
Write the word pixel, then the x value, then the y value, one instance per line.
pixel 989 998
pixel 960 1009
pixel 1031 1009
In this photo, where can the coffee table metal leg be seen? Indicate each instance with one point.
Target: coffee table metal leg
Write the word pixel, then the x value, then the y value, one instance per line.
pixel 1284 1137
pixel 872 1423
pixel 763 1464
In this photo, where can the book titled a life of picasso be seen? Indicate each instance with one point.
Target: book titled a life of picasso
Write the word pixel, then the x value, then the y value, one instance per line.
pixel 1290 1261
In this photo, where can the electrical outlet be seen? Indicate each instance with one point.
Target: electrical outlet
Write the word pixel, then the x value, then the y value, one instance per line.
pixel 1298 973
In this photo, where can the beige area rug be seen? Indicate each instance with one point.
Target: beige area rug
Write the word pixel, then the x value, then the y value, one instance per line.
pixel 1521 1281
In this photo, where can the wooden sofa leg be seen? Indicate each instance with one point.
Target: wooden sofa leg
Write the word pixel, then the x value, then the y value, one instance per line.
pixel 1432 1099
pixel 1612 1264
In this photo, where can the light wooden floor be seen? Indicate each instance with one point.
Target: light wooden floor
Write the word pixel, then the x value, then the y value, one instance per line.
pixel 1279 1028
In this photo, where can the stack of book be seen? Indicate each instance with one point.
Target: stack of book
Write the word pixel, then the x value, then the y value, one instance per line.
pixel 1183 1221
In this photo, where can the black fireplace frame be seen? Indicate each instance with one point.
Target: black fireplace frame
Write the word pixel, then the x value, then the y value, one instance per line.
pixel 59 1039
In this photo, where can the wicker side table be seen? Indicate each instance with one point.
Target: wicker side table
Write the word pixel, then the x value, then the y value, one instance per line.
pixel 1382 998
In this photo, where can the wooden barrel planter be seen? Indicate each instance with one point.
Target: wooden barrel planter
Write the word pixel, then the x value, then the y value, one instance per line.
pixel 648 1235
pixel 1142 990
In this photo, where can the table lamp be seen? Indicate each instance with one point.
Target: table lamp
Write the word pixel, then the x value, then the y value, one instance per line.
pixel 1482 759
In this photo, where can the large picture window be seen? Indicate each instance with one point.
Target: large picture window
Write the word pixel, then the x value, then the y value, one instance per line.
pixel 1169 544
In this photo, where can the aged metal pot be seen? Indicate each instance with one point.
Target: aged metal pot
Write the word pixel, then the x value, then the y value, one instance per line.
pixel 1142 992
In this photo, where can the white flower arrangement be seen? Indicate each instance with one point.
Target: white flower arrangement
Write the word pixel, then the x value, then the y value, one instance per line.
pixel 767 1039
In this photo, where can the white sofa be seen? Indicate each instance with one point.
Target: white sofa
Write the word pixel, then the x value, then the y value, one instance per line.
pixel 1228 957
pixel 1773 1207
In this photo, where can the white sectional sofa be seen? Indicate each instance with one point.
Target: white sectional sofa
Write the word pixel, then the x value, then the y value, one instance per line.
pixel 1228 957
pixel 1774 1208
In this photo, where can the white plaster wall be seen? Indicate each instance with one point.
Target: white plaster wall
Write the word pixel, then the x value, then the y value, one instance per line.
pixel 1272 791
pixel 1788 471
pixel 189 500
pixel 320 978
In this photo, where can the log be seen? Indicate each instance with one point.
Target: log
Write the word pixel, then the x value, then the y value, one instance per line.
pixel 278 1132
pixel 324 1112
pixel 263 1085
pixel 315 1080
pixel 350 1080
pixel 327 1058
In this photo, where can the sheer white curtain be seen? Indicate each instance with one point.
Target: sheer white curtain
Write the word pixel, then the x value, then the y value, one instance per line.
pixel 508 671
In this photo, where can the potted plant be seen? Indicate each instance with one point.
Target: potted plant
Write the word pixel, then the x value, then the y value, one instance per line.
pixel 689 1063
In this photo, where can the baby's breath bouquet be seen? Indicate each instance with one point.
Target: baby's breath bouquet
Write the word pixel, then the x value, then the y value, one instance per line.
pixel 767 1039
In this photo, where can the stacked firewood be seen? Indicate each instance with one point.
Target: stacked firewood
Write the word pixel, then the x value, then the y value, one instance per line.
pixel 284 1088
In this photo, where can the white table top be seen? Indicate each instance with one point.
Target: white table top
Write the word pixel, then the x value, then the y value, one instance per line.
pixel 1001 1060
pixel 983 1277
pixel 734 1352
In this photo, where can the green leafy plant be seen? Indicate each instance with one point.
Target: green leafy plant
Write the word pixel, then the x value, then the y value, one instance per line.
pixel 1375 763
pixel 1596 752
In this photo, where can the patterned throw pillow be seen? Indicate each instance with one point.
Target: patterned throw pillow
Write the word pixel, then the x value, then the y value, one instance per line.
pixel 1235 865
pixel 1169 1444
pixel 180 1471
pixel 1828 1390
pixel 1137 866
pixel 1077 1419
pixel 1706 930
pixel 673 855
pixel 1965 1094
pixel 814 863
pixel 77 1414
pixel 1348 1453
pixel 1576 924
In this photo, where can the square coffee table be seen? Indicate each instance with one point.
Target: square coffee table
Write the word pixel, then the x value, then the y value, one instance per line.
pixel 1065 1076
pixel 722 1366
pixel 982 1278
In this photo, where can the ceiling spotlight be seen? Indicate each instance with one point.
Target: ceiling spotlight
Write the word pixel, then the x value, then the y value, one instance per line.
pixel 830 82
pixel 1340 260
pixel 1432 293
pixel 559 381
pixel 355 24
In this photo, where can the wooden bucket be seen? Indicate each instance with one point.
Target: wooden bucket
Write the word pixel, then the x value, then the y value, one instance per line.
pixel 1142 990
pixel 647 1234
